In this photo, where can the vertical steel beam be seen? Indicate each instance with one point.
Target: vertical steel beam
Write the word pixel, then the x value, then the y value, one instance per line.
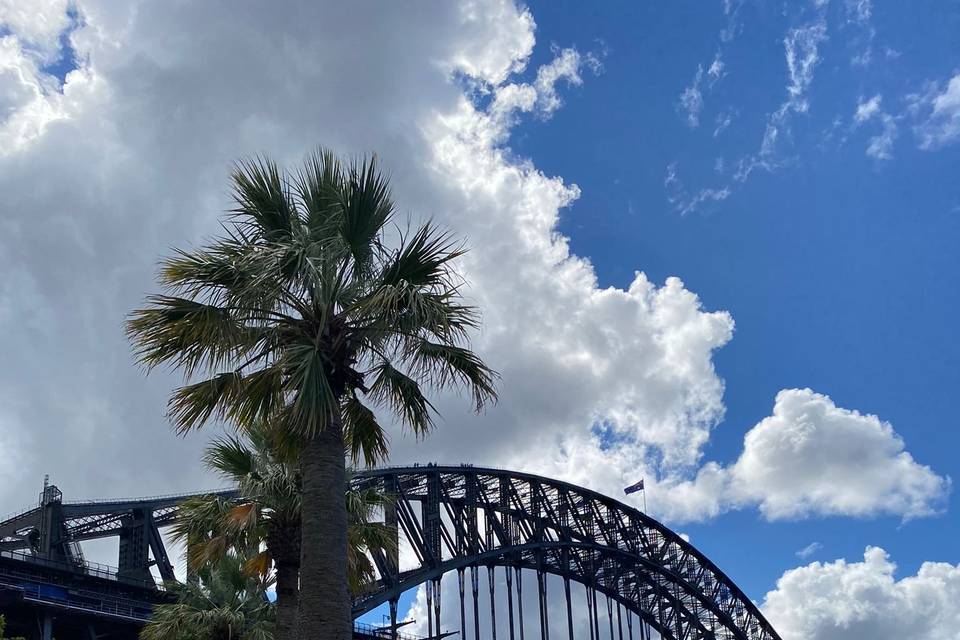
pixel 520 600
pixel 429 588
pixel 493 607
pixel 392 524
pixel 596 613
pixel 393 618
pixel 566 593
pixel 630 624
pixel 619 621
pixel 610 616
pixel 510 600
pixel 586 588
pixel 463 610
pixel 436 603
pixel 476 603
pixel 542 597
pixel 134 549
pixel 47 631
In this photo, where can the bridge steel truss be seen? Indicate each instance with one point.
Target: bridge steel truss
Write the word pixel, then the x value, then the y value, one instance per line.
pixel 461 519
pixel 53 529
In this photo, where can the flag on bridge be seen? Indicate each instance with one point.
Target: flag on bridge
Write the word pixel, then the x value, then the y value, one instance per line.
pixel 634 488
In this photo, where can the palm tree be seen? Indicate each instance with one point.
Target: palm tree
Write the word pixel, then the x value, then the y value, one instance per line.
pixel 307 310
pixel 224 603
pixel 264 516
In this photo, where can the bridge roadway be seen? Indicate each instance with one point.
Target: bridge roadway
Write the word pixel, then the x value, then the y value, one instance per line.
pixel 87 602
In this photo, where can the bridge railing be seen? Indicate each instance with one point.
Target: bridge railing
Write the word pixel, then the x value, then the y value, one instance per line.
pixel 93 569
pixel 364 630
pixel 168 496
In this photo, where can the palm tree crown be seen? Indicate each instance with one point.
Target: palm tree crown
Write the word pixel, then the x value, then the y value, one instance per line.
pixel 302 309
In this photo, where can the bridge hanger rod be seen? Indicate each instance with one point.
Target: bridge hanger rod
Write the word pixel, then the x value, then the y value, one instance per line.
pixel 510 600
pixel 436 604
pixel 429 587
pixel 491 577
pixel 476 602
pixel 520 599
pixel 586 589
pixel 463 610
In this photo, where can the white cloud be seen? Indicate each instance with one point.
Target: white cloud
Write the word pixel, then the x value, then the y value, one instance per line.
pixel 38 24
pixel 867 109
pixel 859 10
pixel 540 97
pixel 880 146
pixel 682 201
pixel 864 601
pixel 808 550
pixel 716 68
pixel 801 47
pixel 940 109
pixel 811 457
pixel 690 104
pixel 29 99
pixel 691 100
pixel 724 120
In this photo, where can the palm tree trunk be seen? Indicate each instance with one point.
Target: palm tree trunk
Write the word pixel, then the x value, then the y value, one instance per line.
pixel 324 596
pixel 287 605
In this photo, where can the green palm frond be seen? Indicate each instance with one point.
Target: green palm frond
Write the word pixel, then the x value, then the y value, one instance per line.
pixel 423 259
pixel 444 365
pixel 223 603
pixel 401 394
pixel 262 197
pixel 231 458
pixel 187 334
pixel 319 185
pixel 364 438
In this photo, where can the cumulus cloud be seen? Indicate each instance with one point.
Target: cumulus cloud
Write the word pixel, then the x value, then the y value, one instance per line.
pixel 38 24
pixel 811 457
pixel 135 161
pixel 865 601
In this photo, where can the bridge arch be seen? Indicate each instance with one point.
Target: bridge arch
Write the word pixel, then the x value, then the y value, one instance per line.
pixel 455 518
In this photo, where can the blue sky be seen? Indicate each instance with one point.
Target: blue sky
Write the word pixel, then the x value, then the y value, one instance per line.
pixel 794 164
pixel 840 270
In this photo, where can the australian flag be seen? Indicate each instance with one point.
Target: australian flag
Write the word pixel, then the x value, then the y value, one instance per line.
pixel 634 488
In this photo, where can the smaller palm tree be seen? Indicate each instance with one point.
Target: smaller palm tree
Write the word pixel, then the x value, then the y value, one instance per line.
pixel 264 517
pixel 223 603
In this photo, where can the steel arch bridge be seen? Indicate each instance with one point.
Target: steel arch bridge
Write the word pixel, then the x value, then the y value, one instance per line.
pixel 460 519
